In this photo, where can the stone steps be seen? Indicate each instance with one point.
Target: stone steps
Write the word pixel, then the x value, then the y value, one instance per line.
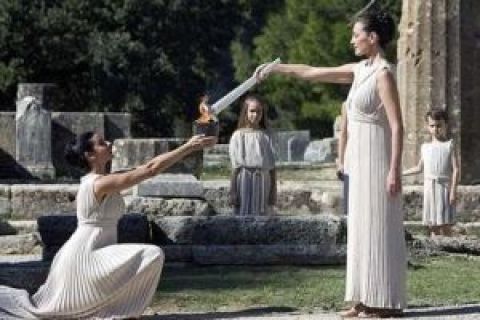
pixel 23 271
pixel 29 243
pixel 24 202
pixel 471 229
pixel 28 229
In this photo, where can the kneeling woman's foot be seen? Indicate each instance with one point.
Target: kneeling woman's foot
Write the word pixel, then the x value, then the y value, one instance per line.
pixel 354 311
pixel 381 313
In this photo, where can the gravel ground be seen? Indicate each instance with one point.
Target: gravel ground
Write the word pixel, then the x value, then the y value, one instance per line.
pixel 467 312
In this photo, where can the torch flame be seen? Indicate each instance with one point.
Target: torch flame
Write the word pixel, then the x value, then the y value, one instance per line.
pixel 203 108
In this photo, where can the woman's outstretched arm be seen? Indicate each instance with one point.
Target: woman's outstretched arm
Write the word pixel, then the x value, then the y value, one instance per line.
pixel 340 74
pixel 117 182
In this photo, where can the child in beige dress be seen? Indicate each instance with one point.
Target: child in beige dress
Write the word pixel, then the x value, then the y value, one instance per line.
pixel 253 188
pixel 439 163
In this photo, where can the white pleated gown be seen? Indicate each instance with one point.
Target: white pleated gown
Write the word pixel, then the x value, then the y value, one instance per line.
pixel 376 250
pixel 92 277
pixel 437 163
pixel 251 151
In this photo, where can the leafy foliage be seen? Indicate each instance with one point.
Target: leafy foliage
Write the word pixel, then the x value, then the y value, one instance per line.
pixel 313 32
pixel 153 58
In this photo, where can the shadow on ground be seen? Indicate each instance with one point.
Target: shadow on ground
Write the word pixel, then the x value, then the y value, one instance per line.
pixel 447 311
pixel 254 312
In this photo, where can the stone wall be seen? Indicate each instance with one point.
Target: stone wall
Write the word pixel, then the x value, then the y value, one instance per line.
pixel 65 125
pixel 7 136
pixel 33 201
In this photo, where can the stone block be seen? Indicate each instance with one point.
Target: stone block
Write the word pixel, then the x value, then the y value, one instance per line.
pixel 259 230
pixel 296 147
pixel 169 207
pixel 31 201
pixel 216 156
pixel 117 125
pixel 29 275
pixel 439 245
pixel 6 229
pixel 293 198
pixel 130 153
pixel 178 253
pixel 316 254
pixel 5 204
pixel 33 138
pixel 19 226
pixel 322 151
pixel 281 138
pixel 7 144
pixel 56 230
pixel 170 185
pixel 65 127
pixel 216 192
pixel 20 244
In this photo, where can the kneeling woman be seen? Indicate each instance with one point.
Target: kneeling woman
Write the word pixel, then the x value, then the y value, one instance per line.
pixel 92 276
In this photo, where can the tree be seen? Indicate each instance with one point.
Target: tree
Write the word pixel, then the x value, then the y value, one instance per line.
pixel 152 58
pixel 314 32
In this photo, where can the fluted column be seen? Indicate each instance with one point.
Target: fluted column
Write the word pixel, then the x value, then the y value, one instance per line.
pixel 429 69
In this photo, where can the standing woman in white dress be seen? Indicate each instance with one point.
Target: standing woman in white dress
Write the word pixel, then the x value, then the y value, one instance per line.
pixel 93 277
pixel 376 257
pixel 253 185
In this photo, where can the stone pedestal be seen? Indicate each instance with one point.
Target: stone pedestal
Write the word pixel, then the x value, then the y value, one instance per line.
pixel 437 67
pixel 291 145
pixel 170 185
pixel 33 129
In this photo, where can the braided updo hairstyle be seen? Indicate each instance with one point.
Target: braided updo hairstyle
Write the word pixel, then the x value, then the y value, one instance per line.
pixel 75 150
pixel 380 22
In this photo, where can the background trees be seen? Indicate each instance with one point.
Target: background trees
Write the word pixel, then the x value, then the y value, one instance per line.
pixel 154 58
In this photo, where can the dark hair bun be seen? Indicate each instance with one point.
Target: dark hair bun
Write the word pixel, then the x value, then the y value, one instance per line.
pixel 380 22
pixel 74 152
pixel 386 27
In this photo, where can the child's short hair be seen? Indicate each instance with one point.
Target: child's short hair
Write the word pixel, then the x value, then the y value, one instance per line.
pixel 436 114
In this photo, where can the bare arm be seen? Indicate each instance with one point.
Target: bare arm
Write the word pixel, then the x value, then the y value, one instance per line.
pixel 388 92
pixel 342 139
pixel 117 182
pixel 340 74
pixel 455 176
pixel 414 170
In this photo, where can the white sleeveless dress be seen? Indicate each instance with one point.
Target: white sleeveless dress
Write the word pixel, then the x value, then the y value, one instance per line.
pixel 437 162
pixel 376 249
pixel 91 277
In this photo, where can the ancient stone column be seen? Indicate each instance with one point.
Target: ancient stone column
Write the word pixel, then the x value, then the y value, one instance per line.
pixel 470 91
pixel 33 129
pixel 429 73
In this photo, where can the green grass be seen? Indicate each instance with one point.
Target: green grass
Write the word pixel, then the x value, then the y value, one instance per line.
pixel 432 282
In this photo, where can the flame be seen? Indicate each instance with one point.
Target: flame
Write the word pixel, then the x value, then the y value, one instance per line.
pixel 205 115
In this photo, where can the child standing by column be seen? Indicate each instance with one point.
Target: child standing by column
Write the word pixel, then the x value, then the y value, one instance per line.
pixel 253 188
pixel 439 163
